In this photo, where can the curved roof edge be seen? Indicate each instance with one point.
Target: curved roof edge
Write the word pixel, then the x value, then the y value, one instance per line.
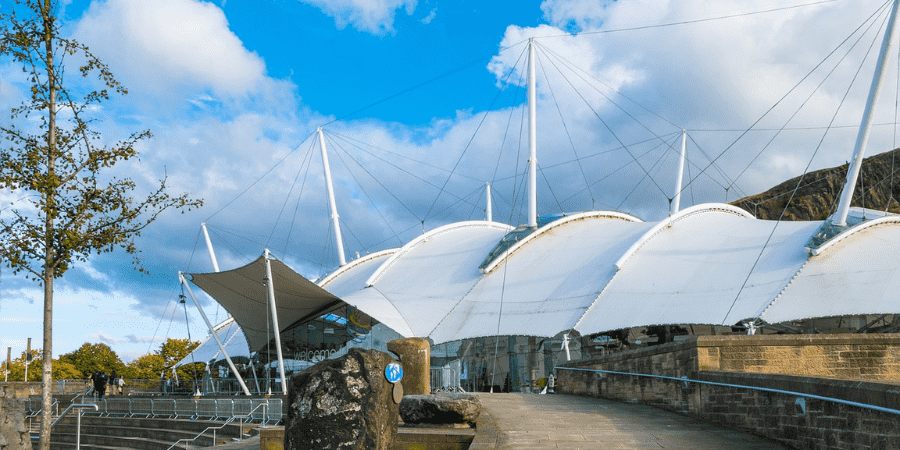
pixel 554 224
pixel 354 263
pixel 425 237
pixel 850 231
pixel 669 221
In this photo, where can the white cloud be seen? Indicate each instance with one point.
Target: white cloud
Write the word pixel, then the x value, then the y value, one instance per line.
pixel 171 43
pixel 431 15
pixel 370 16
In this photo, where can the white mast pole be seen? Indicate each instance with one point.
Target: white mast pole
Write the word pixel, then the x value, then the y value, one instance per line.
pixel 270 284
pixel 339 241
pixel 489 214
pixel 532 139
pixel 840 217
pixel 212 253
pixel 214 334
pixel 676 202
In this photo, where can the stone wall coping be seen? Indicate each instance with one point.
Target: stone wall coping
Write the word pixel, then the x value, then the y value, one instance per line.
pixel 797 339
pixel 787 340
pixel 881 394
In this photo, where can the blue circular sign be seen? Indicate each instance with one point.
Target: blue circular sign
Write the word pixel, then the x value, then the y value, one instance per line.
pixel 393 372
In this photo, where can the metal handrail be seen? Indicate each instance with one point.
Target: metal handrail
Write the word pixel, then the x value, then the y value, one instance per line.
pixel 740 386
pixel 230 419
pixel 79 407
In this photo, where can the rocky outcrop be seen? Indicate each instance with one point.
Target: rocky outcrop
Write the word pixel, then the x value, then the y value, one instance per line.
pixel 343 403
pixel 440 408
pixel 878 187
pixel 13 434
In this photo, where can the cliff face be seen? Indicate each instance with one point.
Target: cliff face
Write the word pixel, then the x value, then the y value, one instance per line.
pixel 817 198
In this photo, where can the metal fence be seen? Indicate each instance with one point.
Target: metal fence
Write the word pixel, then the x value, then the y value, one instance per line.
pixel 251 409
pixel 446 378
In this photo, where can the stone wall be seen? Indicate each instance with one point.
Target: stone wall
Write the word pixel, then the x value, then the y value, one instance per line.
pixel 13 434
pixel 804 422
pixel 808 364
pixel 853 356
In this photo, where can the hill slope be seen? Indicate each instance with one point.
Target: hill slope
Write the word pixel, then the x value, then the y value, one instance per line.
pixel 878 185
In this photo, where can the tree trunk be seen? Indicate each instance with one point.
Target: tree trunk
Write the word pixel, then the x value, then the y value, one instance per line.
pixel 49 231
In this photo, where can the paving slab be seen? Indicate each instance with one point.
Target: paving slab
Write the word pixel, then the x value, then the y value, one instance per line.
pixel 553 421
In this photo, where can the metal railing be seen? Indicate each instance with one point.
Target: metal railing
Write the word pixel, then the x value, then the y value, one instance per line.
pixel 687 380
pixel 35 408
pixel 219 427
pixel 191 408
pixel 446 378
pixel 80 407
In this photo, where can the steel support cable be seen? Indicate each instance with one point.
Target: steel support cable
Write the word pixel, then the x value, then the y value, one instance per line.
pixel 810 128
pixel 744 133
pixel 566 128
pixel 808 98
pixel 655 166
pixel 371 201
pixel 364 169
pixel 400 168
pixel 499 319
pixel 306 159
pixel 604 152
pixel 713 179
pixel 484 117
pixel 172 295
pixel 799 181
pixel 459 203
pixel 259 179
pixel 187 325
pixel 622 167
pixel 287 240
pixel 550 188
pixel 359 144
pixel 424 83
pixel 571 66
pixel 693 21
pixel 518 185
pixel 574 68
pixel 608 128
pixel 512 109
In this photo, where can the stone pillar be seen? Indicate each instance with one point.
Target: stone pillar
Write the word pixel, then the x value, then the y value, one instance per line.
pixel 13 434
pixel 415 357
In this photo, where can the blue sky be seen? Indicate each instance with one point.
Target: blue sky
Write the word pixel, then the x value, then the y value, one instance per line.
pixel 421 105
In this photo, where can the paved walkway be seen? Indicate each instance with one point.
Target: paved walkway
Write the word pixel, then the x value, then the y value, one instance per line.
pixel 532 421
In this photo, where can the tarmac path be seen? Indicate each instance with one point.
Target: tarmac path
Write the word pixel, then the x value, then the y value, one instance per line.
pixel 533 421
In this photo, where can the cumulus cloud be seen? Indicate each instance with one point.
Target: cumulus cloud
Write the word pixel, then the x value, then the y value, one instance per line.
pixel 370 16
pixel 172 43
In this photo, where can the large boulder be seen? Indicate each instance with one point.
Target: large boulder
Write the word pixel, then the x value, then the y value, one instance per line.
pixel 13 433
pixel 440 408
pixel 343 403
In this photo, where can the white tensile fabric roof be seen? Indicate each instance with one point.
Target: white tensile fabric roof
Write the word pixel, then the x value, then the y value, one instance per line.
pixel 229 333
pixel 601 271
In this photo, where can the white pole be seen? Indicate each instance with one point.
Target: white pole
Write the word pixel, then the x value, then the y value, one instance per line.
pixel 271 286
pixel 339 241
pixel 840 217
pixel 532 139
pixel 489 215
pixel 676 202
pixel 212 253
pixel 214 334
